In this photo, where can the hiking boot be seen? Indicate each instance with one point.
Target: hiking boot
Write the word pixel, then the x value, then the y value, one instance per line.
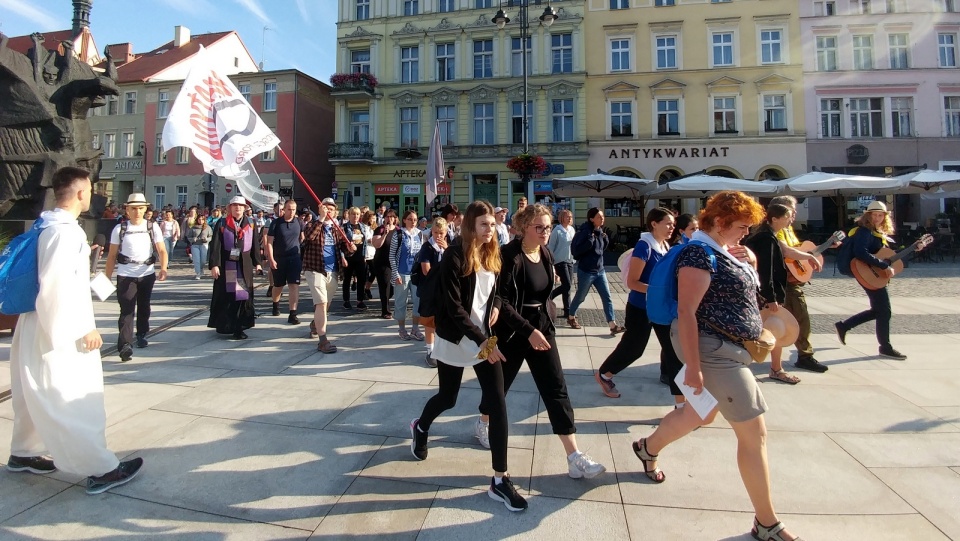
pixel 32 464
pixel 431 362
pixel 811 364
pixel 841 332
pixel 581 465
pixel 124 473
pixel 126 353
pixel 482 431
pixel 890 353
pixel 142 341
pixel 418 445
pixel 607 386
pixel 505 492
pixel 293 319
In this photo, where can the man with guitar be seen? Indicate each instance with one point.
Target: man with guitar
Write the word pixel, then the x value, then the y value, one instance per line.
pixel 795 302
pixel 866 257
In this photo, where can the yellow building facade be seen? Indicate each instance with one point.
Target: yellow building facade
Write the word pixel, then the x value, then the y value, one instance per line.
pixel 445 63
pixel 680 86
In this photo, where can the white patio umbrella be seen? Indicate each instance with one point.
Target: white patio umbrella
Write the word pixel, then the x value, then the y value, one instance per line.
pixel 820 184
pixel 926 181
pixel 599 185
pixel 704 185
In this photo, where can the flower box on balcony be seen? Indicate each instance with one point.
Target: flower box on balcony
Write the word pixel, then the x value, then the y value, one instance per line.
pixel 527 164
pixel 353 81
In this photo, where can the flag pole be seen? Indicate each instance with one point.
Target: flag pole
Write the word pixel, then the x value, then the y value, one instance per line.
pixel 295 170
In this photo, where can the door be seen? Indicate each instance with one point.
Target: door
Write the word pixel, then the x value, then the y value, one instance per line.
pixel 412 202
pixel 485 187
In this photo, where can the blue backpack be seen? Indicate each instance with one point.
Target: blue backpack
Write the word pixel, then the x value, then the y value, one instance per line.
pixel 662 286
pixel 19 275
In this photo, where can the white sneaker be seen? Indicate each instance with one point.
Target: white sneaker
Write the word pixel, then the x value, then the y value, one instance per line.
pixel 482 431
pixel 581 465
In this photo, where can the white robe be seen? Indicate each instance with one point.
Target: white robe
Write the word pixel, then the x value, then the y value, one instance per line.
pixel 57 387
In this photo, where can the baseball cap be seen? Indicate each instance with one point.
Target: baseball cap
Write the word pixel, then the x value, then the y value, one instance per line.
pixel 329 201
pixel 498 210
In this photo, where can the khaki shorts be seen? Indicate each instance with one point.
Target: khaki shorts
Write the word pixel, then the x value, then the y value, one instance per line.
pixel 323 287
pixel 726 376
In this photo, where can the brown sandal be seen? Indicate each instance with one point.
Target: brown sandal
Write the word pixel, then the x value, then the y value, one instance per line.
pixel 326 347
pixel 572 321
pixel 640 449
pixel 782 376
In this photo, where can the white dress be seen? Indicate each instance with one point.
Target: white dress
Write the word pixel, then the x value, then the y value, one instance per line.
pixel 465 353
pixel 57 388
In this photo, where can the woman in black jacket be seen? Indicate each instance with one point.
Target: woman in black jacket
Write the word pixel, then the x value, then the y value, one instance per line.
pixel 469 307
pixel 588 246
pixel 773 275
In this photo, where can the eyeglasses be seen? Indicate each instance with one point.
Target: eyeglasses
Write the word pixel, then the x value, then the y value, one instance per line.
pixel 541 229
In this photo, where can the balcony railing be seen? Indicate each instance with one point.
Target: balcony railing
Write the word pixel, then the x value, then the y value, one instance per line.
pixel 351 152
pixel 353 84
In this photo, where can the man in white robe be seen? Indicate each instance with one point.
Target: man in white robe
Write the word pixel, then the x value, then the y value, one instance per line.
pixel 55 371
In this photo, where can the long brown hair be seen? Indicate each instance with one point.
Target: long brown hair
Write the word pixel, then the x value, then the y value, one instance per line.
pixel 886 228
pixel 475 254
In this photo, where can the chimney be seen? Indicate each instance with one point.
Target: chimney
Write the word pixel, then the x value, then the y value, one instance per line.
pixel 121 53
pixel 81 15
pixel 181 36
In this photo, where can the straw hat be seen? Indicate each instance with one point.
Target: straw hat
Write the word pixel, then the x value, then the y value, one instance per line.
pixel 782 324
pixel 877 206
pixel 137 200
pixel 238 200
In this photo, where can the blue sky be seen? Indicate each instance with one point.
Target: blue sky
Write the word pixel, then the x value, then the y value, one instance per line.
pixel 301 33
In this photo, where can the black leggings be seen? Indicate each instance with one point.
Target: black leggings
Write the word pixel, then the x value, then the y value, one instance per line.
pixel 383 281
pixel 565 272
pixel 356 267
pixel 491 379
pixel 879 310
pixel 634 341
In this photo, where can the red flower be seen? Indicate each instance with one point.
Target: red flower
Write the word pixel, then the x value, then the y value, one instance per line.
pixel 526 163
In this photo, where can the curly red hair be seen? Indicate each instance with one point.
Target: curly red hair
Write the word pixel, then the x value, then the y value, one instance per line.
pixel 726 207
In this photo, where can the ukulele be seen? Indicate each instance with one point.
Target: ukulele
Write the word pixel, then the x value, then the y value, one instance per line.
pixel 872 277
pixel 802 271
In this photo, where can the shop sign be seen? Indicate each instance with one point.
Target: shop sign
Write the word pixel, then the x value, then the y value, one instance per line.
pixel 668 152
pixel 409 173
pixel 857 154
pixel 386 189
pixel 128 165
pixel 541 187
pixel 411 189
pixel 443 188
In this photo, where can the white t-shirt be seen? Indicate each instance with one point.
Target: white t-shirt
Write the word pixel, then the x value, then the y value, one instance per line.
pixel 455 355
pixel 168 228
pixel 136 246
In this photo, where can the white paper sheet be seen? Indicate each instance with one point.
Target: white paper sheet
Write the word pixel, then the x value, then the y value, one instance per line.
pixel 702 403
pixel 102 286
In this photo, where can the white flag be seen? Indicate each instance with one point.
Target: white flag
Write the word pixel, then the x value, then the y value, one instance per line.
pixel 435 168
pixel 212 118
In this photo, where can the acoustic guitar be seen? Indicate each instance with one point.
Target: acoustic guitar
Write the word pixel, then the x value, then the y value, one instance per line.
pixel 872 277
pixel 802 271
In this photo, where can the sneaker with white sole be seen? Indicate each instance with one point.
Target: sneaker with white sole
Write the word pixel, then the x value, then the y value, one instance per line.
pixel 482 431
pixel 33 464
pixel 505 492
pixel 581 465
pixel 123 474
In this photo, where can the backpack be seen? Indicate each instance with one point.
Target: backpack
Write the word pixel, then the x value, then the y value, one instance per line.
pixel 123 231
pixel 845 254
pixel 19 272
pixel 662 286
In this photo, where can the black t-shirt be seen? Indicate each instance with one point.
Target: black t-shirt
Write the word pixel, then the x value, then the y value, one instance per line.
pixel 286 237
pixel 537 286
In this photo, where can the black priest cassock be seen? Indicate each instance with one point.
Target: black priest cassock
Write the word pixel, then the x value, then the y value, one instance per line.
pixel 234 255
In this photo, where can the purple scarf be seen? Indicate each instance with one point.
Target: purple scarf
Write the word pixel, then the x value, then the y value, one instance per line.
pixel 233 270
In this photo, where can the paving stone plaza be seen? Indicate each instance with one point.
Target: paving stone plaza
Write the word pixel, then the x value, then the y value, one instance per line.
pixel 270 439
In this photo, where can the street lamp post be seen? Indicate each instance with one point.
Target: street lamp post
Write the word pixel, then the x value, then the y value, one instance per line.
pixel 142 154
pixel 501 20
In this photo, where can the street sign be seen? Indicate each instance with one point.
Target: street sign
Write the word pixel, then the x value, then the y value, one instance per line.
pixel 228 187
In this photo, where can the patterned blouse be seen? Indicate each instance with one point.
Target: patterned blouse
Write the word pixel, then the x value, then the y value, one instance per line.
pixel 731 302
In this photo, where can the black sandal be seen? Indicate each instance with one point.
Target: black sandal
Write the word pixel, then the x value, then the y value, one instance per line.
pixel 640 450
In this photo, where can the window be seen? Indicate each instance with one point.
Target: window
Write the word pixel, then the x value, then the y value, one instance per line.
pixel 516 60
pixel 666 52
pixel 619 4
pixel 95 142
pixel 411 7
pixel 720 1
pixel 894 6
pixel 826 53
pixel 483 4
pixel 947 44
pixel 863 52
pixel 722 48
pixel 771 46
pixel 126 142
pixel 446 66
pixel 163 104
pixel 620 55
pixel 951 115
pixel 409 127
pixel 483 124
pixel 866 117
pixel 409 64
pixel 864 7
pixel 822 9
pixel 360 126
pixel 183 155
pixel 775 113
pixel 898 52
pixel 109 145
pixel 517 122
pixel 360 61
pixel 159 156
pixel 482 58
pixel 901 111
pixel 447 120
pixel 270 96
pixel 668 117
pixel 562 120
pixel 159 193
pixel 130 103
pixel 950 6
pixel 112 103
pixel 446 6
pixel 561 47
pixel 621 118
pixel 269 156
pixel 182 196
pixel 830 118
pixel 244 89
pixel 661 3
pixel 363 10
pixel 725 114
